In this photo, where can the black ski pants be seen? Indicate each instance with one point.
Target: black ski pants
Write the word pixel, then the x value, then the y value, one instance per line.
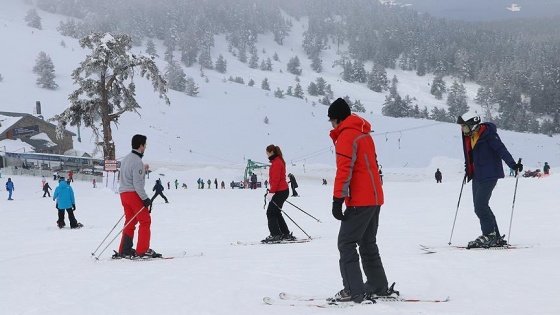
pixel 482 191
pixel 71 217
pixel 46 192
pixel 159 193
pixel 360 228
pixel 276 223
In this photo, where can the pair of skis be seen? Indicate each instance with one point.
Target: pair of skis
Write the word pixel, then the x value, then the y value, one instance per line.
pixel 180 255
pixel 437 249
pixel 287 299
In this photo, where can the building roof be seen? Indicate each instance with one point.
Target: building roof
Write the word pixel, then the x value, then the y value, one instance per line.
pixel 9 120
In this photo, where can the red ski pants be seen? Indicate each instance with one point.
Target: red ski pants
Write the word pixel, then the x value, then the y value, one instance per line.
pixel 132 204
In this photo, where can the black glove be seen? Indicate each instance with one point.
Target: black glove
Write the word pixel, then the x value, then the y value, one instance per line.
pixel 73 207
pixel 148 204
pixel 518 167
pixel 337 208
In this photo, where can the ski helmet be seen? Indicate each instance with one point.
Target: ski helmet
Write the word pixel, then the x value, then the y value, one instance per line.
pixel 468 125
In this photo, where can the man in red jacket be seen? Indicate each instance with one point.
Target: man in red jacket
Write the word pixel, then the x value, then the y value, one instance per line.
pixel 358 184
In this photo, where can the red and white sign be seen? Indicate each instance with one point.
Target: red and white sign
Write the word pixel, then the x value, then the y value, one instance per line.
pixel 110 165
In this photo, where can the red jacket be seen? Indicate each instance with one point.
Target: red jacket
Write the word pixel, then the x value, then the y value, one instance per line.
pixel 277 175
pixel 357 173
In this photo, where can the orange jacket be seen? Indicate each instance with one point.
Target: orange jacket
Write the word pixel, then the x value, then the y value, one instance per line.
pixel 277 175
pixel 357 173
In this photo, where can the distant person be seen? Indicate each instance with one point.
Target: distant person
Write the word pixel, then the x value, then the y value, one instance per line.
pixel 223 185
pixel 324 182
pixel 46 191
pixel 65 202
pixel 70 176
pixel 266 183
pixel 10 188
pixel 216 182
pixel 293 183
pixel 55 175
pixel 438 176
pixel 136 203
pixel 276 196
pixel 176 184
pixel 209 183
pixel 483 153
pixel 184 186
pixel 158 188
pixel 253 181
pixel 546 169
pixel 94 182
pixel 232 184
pixel 168 185
pixel 511 172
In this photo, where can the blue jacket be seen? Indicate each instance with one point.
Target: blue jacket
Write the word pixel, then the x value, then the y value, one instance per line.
pixel 484 161
pixel 65 195
pixel 10 185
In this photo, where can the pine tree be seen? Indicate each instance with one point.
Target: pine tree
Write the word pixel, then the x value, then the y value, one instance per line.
pixel 457 100
pixel 175 76
pixel 438 87
pixel 298 91
pixel 377 79
pixel 242 55
pixel 191 88
pixel 279 93
pixel 359 72
pixel 265 85
pixel 275 57
pixel 251 82
pixel 289 91
pixel 151 48
pixel 254 61
pixel 440 115
pixel 358 107
pixel 221 64
pixel 293 66
pixel 44 68
pixel 106 88
pixel 312 89
pixel 205 60
pixel 321 85
pixel 33 19
pixel 317 64
pixel 485 98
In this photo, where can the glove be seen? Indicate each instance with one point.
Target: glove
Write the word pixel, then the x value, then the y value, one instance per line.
pixel 73 207
pixel 148 204
pixel 269 196
pixel 518 167
pixel 337 208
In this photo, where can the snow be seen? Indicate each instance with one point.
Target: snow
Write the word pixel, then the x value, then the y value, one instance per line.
pixel 44 136
pixel 50 271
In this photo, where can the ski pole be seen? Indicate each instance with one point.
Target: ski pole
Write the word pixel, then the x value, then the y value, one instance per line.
pixel 304 211
pixel 513 204
pixel 111 242
pixel 93 254
pixel 457 211
pixel 291 219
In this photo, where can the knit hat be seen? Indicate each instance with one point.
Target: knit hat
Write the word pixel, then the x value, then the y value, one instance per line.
pixel 339 109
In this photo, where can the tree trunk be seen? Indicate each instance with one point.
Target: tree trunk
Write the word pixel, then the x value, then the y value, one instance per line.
pixel 108 144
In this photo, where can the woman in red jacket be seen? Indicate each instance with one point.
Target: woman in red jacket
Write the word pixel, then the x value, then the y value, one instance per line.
pixel 277 194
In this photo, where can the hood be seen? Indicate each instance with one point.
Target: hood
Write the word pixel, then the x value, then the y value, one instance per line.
pixel 351 122
pixel 489 128
pixel 63 184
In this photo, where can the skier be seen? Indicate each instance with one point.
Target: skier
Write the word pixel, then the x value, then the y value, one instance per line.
pixel 483 152
pixel 168 185
pixel 176 184
pixel 293 184
pixel 546 169
pixel 65 202
pixel 43 181
pixel 276 195
pixel 357 172
pixel 266 183
pixel 216 182
pixel 70 176
pixel 158 188
pixel 10 188
pixel 136 203
pixel 55 175
pixel 209 181
pixel 438 176
pixel 223 185
pixel 46 188
pixel 94 182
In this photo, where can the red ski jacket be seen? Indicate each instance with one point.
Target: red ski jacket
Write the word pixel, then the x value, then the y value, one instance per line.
pixel 357 173
pixel 277 175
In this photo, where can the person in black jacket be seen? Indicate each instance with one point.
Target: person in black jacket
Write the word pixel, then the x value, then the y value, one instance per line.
pixel 438 176
pixel 293 184
pixel 46 188
pixel 158 188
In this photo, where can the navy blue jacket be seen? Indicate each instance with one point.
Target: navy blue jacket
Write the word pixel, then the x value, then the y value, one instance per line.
pixel 484 161
pixel 158 187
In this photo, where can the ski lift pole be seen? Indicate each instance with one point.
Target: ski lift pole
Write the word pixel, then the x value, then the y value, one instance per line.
pixel 300 209
pixel 457 211
pixel 274 202
pixel 513 204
